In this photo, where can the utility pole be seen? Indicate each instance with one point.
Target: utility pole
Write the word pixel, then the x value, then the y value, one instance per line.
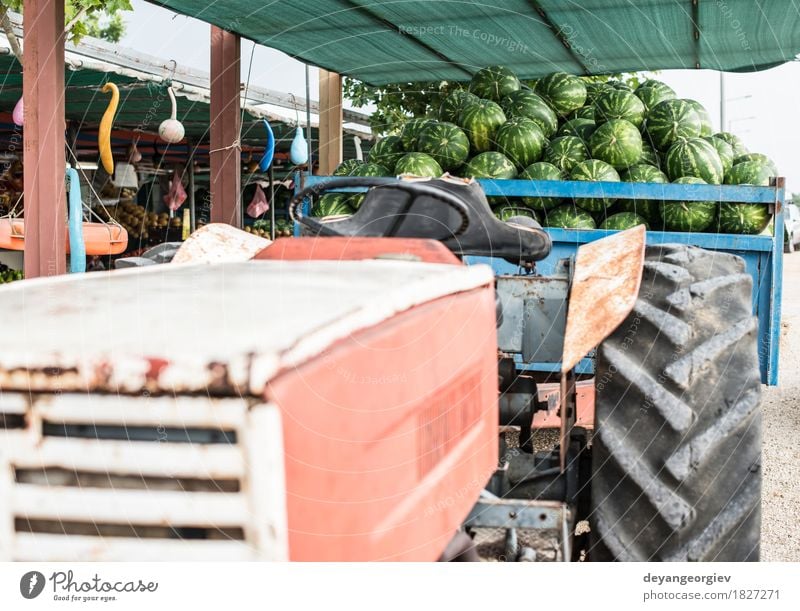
pixel 722 113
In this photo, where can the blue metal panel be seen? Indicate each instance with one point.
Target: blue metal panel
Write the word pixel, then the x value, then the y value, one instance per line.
pixel 762 254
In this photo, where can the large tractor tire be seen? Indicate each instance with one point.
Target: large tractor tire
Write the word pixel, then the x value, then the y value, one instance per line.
pixel 677 446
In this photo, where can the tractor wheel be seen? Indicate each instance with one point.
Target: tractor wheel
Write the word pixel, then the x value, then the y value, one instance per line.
pixel 677 444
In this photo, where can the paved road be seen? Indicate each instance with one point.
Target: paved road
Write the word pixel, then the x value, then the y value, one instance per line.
pixel 780 534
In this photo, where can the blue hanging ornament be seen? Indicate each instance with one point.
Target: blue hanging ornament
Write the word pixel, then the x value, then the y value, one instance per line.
pixel 269 149
pixel 298 153
pixel 77 249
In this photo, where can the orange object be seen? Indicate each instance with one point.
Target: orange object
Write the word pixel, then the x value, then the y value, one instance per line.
pixel 100 238
pixel 354 249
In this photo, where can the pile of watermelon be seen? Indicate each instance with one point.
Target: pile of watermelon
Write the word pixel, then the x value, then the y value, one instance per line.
pixel 564 127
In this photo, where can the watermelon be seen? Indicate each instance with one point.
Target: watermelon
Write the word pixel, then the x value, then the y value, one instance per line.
pixel 489 165
pixel 347 167
pixel 454 103
pixel 411 131
pixel 386 152
pixel 445 142
pixel 506 212
pixel 706 129
pixel 618 143
pixel 332 204
pixel 736 143
pixel 649 155
pixel 694 157
pixel 481 121
pixel 759 157
pixel 619 85
pixel 670 120
pixel 743 218
pixel 724 150
pixel 593 90
pixel 570 217
pixel 562 91
pixel 749 173
pixel 623 220
pixel 494 83
pixel 594 170
pixel 524 103
pixel 582 128
pixel 688 216
pixel 356 199
pixel 541 171
pixel 371 169
pixel 521 140
pixel 586 112
pixel 651 92
pixel 565 152
pixel 647 208
pixel 619 104
pixel 418 164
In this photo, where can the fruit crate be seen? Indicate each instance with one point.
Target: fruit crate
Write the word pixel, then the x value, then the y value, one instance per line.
pixel 762 254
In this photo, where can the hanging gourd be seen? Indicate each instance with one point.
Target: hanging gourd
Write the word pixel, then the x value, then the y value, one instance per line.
pixel 77 248
pixel 298 153
pixel 18 116
pixel 104 133
pixel 359 152
pixel 171 130
pixel 269 149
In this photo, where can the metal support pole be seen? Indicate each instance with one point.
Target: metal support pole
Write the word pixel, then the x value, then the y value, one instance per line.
pixel 308 123
pixel 192 215
pixel 225 154
pixel 44 141
pixel 271 204
pixel 722 117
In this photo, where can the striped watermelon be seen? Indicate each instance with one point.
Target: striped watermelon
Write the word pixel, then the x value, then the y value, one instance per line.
pixel 411 131
pixel 521 140
pixel 743 218
pixel 749 173
pixel 494 83
pixel 694 157
pixel 332 204
pixel 619 104
pixel 739 148
pixel 524 103
pixel 619 85
pixel 649 154
pixel 565 152
pixel 481 121
pixel 564 92
pixel 586 112
pixel 454 103
pixel 489 165
pixel 541 171
pixel 618 143
pixel 760 158
pixel 445 142
pixel 347 167
pixel 356 199
pixel 418 164
pixel 724 150
pixel 623 220
pixel 706 129
pixel 570 217
pixel 371 169
pixel 386 152
pixel 506 212
pixel 594 170
pixel 594 89
pixel 647 208
pixel 688 216
pixel 670 120
pixel 651 92
pixel 582 128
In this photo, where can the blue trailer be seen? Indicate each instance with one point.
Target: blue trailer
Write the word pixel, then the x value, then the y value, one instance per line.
pixel 762 254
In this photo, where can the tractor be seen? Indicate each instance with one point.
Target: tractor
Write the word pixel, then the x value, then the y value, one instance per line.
pixel 360 393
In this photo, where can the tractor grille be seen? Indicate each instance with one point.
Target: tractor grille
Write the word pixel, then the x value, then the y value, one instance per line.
pixel 108 477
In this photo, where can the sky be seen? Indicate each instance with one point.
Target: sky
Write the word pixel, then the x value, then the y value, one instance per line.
pixel 761 106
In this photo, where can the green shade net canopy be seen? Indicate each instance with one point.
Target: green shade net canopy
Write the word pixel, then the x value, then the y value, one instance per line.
pixel 404 41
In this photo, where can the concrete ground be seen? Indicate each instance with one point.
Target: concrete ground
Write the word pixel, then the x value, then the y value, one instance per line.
pixel 780 528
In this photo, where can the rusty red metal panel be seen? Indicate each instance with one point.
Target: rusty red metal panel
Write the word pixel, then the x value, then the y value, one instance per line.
pixel 44 141
pixel 351 249
pixel 225 153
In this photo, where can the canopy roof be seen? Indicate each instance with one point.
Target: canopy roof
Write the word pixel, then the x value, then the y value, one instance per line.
pixel 390 41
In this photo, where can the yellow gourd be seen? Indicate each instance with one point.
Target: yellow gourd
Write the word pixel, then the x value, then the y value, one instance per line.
pixel 104 133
